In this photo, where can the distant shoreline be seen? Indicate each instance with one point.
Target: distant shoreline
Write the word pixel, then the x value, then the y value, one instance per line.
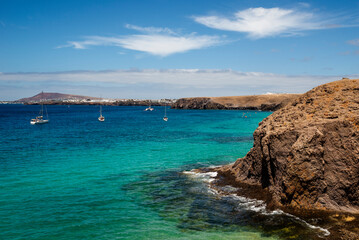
pixel 266 102
pixel 125 103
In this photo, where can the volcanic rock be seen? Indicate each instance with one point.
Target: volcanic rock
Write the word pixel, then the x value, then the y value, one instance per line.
pixel 266 102
pixel 306 154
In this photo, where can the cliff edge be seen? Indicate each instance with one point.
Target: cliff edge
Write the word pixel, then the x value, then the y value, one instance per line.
pixel 267 102
pixel 306 154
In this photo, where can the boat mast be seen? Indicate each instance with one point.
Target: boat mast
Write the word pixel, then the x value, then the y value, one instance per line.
pixel 47 115
pixel 42 105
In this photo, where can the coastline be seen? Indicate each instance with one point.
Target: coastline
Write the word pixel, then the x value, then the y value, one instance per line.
pixel 266 102
pixel 304 160
pixel 122 103
pixel 331 225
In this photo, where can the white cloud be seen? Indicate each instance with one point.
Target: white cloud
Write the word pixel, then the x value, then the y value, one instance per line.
pixel 265 22
pixel 151 83
pixel 166 45
pixel 151 30
pixel 156 41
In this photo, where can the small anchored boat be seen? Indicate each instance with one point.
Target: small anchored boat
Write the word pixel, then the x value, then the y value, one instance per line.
pixel 165 118
pixel 101 118
pixel 149 108
pixel 40 119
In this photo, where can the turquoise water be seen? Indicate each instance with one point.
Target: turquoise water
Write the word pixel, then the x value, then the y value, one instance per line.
pixel 78 178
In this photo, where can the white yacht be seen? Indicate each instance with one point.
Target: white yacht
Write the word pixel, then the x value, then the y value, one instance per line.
pixel 40 119
pixel 165 118
pixel 149 108
pixel 101 118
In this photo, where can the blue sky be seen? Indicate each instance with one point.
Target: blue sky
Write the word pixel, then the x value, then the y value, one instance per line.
pixel 167 48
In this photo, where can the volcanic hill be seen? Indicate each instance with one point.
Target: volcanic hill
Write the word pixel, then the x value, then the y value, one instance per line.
pixel 45 96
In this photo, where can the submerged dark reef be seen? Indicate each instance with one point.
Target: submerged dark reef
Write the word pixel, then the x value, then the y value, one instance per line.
pixel 191 201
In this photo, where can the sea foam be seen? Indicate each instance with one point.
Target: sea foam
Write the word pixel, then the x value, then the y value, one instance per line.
pixel 249 204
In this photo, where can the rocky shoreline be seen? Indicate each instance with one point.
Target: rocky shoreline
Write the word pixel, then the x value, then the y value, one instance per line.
pixel 331 225
pixel 267 102
pixel 341 225
pixel 305 159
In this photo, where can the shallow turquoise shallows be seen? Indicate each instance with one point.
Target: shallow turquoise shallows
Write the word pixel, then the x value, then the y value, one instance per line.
pixel 78 178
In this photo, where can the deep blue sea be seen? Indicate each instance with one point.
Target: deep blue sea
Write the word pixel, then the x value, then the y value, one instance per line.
pixel 127 177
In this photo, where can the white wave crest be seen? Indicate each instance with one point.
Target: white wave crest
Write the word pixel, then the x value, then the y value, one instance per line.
pixel 205 177
pixel 254 205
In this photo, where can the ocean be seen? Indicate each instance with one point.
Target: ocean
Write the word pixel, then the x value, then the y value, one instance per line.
pixel 129 177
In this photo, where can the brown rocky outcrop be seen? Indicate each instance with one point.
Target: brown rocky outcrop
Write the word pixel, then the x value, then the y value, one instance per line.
pixel 267 102
pixel 306 154
pixel 197 103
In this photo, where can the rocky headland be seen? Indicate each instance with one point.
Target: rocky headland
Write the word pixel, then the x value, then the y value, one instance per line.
pixel 266 102
pixel 305 157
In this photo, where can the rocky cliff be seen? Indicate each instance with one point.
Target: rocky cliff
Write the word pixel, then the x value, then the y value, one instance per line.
pixel 268 102
pixel 306 154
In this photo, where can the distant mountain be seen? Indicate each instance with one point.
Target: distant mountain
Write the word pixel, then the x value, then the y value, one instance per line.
pixel 55 96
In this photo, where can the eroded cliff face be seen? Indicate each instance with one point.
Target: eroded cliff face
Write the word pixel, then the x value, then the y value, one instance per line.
pixel 307 153
pixel 268 102
pixel 197 103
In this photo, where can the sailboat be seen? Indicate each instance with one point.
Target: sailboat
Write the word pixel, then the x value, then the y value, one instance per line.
pixel 149 108
pixel 40 119
pixel 165 118
pixel 101 118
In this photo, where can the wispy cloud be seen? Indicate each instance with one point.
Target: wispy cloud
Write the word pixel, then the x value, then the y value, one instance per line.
pixel 266 22
pixel 152 83
pixel 151 30
pixel 156 41
pixel 354 42
pixel 304 4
